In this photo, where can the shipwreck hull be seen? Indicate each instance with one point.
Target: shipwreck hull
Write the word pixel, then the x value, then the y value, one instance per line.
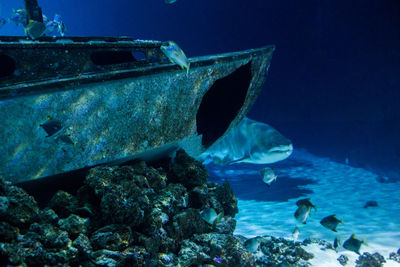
pixel 107 105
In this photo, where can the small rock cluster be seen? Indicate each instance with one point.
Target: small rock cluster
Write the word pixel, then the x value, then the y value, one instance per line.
pixel 282 252
pixel 343 260
pixel 370 260
pixel 395 256
pixel 134 215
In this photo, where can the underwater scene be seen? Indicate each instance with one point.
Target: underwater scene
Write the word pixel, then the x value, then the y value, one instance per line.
pixel 200 133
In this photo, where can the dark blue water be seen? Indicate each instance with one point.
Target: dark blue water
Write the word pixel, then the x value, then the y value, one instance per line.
pixel 334 82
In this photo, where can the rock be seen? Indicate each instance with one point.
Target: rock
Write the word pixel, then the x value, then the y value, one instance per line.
pixel 11 254
pixel 48 235
pixel 4 203
pixel 227 225
pixel 122 194
pixel 63 203
pixel 192 254
pixel 74 225
pixel 324 244
pixel 48 215
pixel 134 215
pixel 187 171
pixel 227 199
pixel 198 197
pixel 280 250
pixel 395 256
pixel 343 260
pixel 157 178
pixel 368 260
pixel 8 233
pixel 188 223
pixel 82 243
pixel 112 237
pixel 16 206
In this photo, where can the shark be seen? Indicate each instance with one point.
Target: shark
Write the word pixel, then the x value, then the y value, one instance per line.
pixel 249 142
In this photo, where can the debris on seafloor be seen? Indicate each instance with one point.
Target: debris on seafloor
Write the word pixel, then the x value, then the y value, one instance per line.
pixel 135 215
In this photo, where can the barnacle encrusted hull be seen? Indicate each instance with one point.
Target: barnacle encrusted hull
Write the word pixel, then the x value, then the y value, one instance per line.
pixel 83 107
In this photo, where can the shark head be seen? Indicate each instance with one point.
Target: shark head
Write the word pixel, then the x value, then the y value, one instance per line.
pixel 250 142
pixel 271 155
pixel 267 144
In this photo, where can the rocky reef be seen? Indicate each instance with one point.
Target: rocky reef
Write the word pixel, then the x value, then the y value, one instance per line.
pixel 135 215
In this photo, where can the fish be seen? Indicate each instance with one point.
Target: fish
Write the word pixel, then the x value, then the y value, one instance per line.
pixel 268 175
pixel 353 244
pixel 336 243
pixel 35 29
pixel 3 22
pixel 249 142
pixel 296 233
pixel 370 204
pixel 302 214
pixel 51 126
pixel 331 222
pixel 305 202
pixel 210 215
pixel 252 244
pixel 176 55
pixel 170 1
pixel 65 138
pixel 55 25
pixel 51 25
pixel 62 28
pixel 19 16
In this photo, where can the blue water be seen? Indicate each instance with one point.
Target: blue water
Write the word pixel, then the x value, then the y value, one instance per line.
pixel 333 187
pixel 333 83
pixel 333 86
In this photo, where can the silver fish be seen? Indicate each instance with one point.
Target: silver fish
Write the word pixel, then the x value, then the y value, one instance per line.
pixel 305 202
pixel 252 244
pixel 302 213
pixel 331 222
pixel 268 175
pixel 210 215
pixel 19 16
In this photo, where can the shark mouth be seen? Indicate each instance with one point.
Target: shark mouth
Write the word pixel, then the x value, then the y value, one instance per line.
pixel 287 149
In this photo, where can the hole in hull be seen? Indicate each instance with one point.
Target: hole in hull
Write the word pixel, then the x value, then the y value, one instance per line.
pixel 7 66
pixel 221 104
pixel 103 58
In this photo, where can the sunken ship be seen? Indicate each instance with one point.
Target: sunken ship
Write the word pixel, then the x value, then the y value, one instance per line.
pixel 70 103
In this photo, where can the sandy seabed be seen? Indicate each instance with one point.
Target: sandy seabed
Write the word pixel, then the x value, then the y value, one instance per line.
pixel 333 187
